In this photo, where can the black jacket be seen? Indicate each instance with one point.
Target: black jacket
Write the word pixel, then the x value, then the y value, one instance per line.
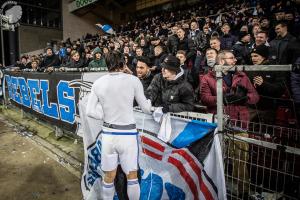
pixel 274 86
pixel 227 41
pixel 278 49
pixel 201 41
pixel 50 61
pixel 188 46
pixel 177 95
pixel 79 64
pixel 146 81
pixel 172 44
pixel 158 60
pixel 242 51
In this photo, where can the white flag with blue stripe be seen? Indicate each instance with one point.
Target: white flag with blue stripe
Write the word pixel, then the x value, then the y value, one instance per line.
pixel 106 28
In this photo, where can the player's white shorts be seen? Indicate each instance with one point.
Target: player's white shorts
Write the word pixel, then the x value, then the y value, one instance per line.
pixel 119 149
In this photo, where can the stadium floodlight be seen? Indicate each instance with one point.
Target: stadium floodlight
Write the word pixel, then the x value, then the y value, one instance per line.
pixel 5 19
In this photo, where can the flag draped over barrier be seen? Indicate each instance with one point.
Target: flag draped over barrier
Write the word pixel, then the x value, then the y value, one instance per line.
pixel 195 172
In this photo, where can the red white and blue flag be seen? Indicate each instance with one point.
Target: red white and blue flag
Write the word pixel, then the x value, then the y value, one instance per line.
pixel 194 171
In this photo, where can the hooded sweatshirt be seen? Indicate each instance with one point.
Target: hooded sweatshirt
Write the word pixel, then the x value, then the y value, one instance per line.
pixel 98 63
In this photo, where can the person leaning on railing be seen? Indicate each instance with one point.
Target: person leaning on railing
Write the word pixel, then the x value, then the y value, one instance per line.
pixel 238 91
pixel 98 60
pixel 76 61
pixel 170 89
pixel 50 61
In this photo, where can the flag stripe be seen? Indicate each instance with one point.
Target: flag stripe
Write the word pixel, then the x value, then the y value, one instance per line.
pixel 152 143
pixel 188 179
pixel 152 154
pixel 197 170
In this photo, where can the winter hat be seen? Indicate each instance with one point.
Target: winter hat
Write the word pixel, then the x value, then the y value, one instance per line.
pixel 262 50
pixel 243 34
pixel 48 47
pixel 171 63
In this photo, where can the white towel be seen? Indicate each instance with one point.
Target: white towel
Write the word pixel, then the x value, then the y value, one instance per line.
pixel 165 124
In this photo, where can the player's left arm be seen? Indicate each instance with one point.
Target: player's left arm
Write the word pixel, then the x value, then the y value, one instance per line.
pixel 139 96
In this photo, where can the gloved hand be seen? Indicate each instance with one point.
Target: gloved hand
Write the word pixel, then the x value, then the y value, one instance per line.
pixel 165 108
pixel 241 91
pixel 238 98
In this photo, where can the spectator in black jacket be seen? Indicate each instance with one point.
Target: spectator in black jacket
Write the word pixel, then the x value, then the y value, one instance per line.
pixel 186 45
pixel 269 85
pixel 170 90
pixel 187 72
pixel 24 64
pixel 50 61
pixel 172 41
pixel 242 48
pixel 227 39
pixel 76 61
pixel 143 72
pixel 278 46
pixel 160 55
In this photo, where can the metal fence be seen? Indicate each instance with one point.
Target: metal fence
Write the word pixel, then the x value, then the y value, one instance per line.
pixel 262 162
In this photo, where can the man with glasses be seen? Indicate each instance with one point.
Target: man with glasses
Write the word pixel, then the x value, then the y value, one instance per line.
pixel 237 89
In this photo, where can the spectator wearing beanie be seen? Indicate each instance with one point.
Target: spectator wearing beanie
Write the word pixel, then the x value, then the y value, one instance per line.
pixel 242 48
pixel 170 90
pixel 50 61
pixel 269 85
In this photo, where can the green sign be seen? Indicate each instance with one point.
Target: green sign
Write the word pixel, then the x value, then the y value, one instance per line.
pixel 82 3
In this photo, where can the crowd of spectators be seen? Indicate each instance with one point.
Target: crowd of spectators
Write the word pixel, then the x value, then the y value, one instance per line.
pixel 174 55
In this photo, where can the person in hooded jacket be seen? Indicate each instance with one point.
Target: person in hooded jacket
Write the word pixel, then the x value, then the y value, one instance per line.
pixel 98 61
pixel 170 90
pixel 50 61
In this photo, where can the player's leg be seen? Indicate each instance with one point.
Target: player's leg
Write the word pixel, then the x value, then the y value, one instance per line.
pixel 109 163
pixel 133 186
pixel 128 154
pixel 108 185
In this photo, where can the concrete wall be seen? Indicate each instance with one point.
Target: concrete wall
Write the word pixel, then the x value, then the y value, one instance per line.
pixel 74 26
pixel 34 38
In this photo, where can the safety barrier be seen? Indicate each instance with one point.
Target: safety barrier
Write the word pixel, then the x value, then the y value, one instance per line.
pixel 262 162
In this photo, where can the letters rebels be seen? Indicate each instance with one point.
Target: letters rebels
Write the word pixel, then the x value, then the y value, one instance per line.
pixel 33 94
